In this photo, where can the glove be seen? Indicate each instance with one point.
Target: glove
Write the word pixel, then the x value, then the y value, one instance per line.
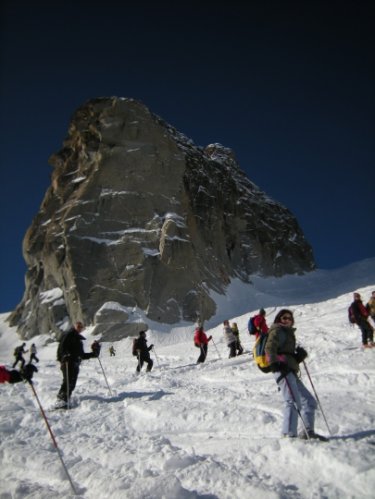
pixel 96 349
pixel 151 347
pixel 300 354
pixel 15 376
pixel 28 372
pixel 277 367
pixel 209 338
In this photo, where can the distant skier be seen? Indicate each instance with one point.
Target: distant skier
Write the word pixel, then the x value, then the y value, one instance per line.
pixel 230 339
pixel 33 353
pixel 361 315
pixel 235 331
pixel 70 353
pixel 18 354
pixel 112 351
pixel 142 352
pixel 258 324
pixel 201 341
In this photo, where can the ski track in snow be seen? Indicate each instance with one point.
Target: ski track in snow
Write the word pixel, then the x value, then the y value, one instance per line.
pixel 185 431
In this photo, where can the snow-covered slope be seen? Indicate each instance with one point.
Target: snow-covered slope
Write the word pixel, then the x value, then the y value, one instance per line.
pixel 208 431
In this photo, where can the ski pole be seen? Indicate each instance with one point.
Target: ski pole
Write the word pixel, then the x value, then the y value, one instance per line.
pixel 53 437
pixel 67 385
pixel 317 398
pixel 216 348
pixel 156 357
pixel 105 377
pixel 296 407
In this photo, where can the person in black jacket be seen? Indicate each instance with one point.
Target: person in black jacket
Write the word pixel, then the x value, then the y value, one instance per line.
pixel 70 353
pixel 143 352
pixel 18 354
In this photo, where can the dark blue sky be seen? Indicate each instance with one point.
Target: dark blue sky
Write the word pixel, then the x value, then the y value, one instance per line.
pixel 289 86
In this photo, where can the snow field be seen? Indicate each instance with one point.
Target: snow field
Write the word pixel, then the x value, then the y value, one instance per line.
pixel 187 431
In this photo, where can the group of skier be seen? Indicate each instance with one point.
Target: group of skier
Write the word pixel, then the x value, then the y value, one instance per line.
pixel 281 351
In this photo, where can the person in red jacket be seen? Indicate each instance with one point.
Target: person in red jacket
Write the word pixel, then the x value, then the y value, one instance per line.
pixel 201 341
pixel 14 376
pixel 260 322
pixel 361 314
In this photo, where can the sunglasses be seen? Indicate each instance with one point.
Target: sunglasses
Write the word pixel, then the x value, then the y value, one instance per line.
pixel 286 318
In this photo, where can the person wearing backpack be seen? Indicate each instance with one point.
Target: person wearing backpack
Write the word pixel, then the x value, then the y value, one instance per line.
pixel 142 351
pixel 70 353
pixel 18 354
pixel 360 315
pixel 284 359
pixel 201 341
pixel 258 324
pixel 230 339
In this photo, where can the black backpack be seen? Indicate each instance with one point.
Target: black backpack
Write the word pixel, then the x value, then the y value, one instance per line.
pixel 135 347
pixel 351 315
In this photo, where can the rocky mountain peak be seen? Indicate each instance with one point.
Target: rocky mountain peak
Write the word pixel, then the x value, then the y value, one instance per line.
pixel 139 218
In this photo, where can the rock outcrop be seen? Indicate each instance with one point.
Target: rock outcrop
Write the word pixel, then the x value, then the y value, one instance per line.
pixel 138 218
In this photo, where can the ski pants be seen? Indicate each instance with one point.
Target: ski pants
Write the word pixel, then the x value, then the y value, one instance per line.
pixel 367 332
pixel 33 357
pixel 232 349
pixel 294 394
pixel 203 354
pixel 19 358
pixel 70 371
pixel 142 358
pixel 239 348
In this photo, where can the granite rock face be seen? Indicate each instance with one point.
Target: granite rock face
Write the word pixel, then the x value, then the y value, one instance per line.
pixel 139 223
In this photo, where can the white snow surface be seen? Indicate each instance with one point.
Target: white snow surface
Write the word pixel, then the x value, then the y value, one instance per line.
pixel 207 431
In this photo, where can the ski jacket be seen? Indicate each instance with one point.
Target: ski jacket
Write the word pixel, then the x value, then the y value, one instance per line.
pixel 228 335
pixel 71 347
pixel 19 351
pixel 260 323
pixel 236 332
pixel 142 345
pixel 281 346
pixel 200 337
pixel 359 311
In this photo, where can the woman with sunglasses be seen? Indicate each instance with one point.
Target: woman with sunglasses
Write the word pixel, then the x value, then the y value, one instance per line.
pixel 284 358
